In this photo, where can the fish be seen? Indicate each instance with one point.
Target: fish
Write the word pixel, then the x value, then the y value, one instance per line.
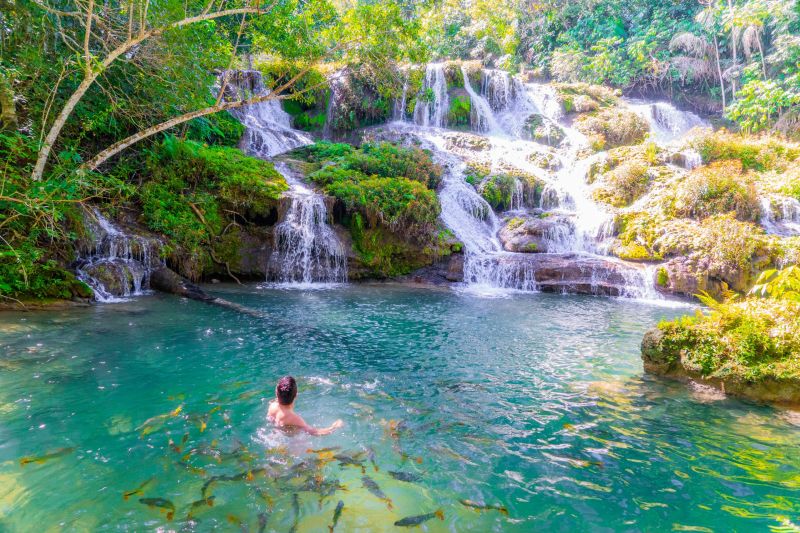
pixel 193 469
pixel 163 504
pixel 138 490
pixel 249 394
pixel 195 506
pixel 262 522
pixel 408 477
pixel 154 423
pixel 483 506
pixel 178 448
pixel 61 452
pixel 323 450
pixel 410 521
pixel 266 497
pixel 336 514
pixel 296 507
pixel 373 487
pixel 349 460
pixel 371 456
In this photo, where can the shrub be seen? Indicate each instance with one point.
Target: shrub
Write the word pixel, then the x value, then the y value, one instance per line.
pixel 40 220
pixel 194 188
pixel 760 154
pixel 459 112
pixel 747 340
pixel 389 160
pixel 392 202
pixel 624 184
pixel 613 127
pixel 718 188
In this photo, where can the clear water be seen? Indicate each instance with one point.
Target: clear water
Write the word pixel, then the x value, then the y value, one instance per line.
pixel 534 402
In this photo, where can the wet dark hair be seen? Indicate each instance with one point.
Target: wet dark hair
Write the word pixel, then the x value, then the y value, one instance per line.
pixel 286 390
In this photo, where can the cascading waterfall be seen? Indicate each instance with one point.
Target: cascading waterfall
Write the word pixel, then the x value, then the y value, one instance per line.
pixel 780 215
pixel 399 111
pixel 481 116
pixel 268 128
pixel 307 249
pixel 113 263
pixel 667 123
pixel 579 231
pixel 432 101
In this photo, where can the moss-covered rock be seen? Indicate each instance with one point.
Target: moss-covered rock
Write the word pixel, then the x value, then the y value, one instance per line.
pixel 541 129
pixel 749 348
pixel 612 127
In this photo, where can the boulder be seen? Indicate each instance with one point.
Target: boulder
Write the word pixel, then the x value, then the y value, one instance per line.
pixel 573 273
pixel 541 129
pixel 536 234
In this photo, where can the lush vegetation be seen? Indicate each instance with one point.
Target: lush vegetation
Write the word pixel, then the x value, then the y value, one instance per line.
pixel 389 199
pixel 739 340
pixel 197 193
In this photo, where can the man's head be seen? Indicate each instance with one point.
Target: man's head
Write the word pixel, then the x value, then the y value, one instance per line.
pixel 286 390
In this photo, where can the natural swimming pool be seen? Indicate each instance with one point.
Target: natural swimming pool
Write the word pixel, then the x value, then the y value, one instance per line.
pixel 532 403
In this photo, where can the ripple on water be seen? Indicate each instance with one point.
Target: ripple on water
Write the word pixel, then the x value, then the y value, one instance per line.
pixel 534 403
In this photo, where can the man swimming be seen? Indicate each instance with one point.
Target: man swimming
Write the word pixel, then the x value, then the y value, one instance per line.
pixel 281 410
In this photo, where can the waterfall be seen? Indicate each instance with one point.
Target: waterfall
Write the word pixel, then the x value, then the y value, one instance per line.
pixel 399 112
pixel 268 127
pixel 307 250
pixel 780 215
pixel 113 263
pixel 336 84
pixel 432 100
pixel 667 123
pixel 496 88
pixel 481 116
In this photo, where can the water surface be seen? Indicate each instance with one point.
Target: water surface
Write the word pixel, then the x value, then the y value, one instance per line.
pixel 533 402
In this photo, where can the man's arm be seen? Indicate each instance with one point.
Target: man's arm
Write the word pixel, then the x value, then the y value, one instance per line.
pixel 317 431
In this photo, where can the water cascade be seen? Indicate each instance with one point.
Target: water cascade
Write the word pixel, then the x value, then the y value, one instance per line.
pixel 481 116
pixel 399 110
pixel 268 127
pixel 113 263
pixel 780 215
pixel 306 248
pixel 574 232
pixel 667 123
pixel 432 101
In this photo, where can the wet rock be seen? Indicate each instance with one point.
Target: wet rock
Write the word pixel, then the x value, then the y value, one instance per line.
pixel 541 129
pixel 455 268
pixel 545 161
pixel 116 276
pixel 574 273
pixel 460 142
pixel 688 276
pixel 535 234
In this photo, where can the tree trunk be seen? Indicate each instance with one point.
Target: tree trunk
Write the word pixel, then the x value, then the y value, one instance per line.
pixel 119 146
pixel 734 38
pixel 92 74
pixel 8 111
pixel 719 72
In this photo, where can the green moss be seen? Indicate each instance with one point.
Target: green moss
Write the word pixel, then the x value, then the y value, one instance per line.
pixel 758 154
pixel 750 340
pixel 624 184
pixel 662 277
pixel 459 111
pixel 193 192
